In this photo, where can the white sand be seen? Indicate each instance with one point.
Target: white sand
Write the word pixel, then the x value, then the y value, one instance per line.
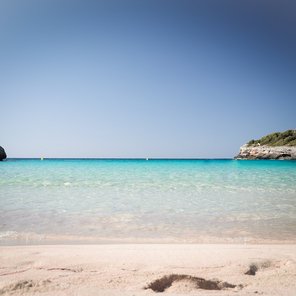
pixel 127 269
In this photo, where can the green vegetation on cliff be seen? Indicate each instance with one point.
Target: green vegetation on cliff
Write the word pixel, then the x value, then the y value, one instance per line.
pixel 287 138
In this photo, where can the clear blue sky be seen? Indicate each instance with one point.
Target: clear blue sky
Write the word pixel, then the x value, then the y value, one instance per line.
pixel 144 78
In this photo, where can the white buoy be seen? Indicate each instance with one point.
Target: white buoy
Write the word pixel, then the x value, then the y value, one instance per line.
pixel 41 158
pixel 147 158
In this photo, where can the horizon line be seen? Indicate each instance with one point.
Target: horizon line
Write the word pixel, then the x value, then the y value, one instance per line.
pixel 123 158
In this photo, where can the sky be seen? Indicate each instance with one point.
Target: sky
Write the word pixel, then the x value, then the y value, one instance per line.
pixel 157 78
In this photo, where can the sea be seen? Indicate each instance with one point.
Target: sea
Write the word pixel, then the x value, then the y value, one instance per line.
pixel 93 201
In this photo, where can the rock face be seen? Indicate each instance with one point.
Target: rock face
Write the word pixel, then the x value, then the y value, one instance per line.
pixel 278 145
pixel 266 152
pixel 2 154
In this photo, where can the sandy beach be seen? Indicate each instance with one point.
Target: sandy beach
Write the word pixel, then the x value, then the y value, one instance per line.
pixel 147 148
pixel 146 269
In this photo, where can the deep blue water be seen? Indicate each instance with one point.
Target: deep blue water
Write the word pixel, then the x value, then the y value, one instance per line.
pixel 119 200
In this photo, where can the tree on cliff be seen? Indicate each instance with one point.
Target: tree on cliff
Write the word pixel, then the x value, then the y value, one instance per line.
pixel 287 138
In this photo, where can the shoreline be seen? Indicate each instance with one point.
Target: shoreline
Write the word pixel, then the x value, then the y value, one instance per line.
pixel 126 269
pixel 33 239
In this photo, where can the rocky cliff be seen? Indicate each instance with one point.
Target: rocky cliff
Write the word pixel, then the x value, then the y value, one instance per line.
pixel 2 153
pixel 266 152
pixel 280 145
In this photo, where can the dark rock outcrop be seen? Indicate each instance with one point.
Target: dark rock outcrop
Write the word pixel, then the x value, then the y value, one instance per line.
pixel 2 154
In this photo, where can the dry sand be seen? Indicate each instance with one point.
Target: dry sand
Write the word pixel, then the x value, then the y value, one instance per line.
pixel 128 269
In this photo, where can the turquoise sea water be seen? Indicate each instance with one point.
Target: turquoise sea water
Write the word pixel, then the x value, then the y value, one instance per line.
pixel 95 200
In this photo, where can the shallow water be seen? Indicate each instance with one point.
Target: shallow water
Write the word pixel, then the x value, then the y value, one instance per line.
pixel 95 200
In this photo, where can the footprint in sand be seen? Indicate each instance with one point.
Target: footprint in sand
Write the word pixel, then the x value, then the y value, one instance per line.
pixel 188 281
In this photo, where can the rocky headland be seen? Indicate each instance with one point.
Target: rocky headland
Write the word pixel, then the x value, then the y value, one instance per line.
pixel 2 153
pixel 280 145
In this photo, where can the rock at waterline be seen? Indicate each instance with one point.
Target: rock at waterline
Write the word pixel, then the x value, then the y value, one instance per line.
pixel 279 145
pixel 2 153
